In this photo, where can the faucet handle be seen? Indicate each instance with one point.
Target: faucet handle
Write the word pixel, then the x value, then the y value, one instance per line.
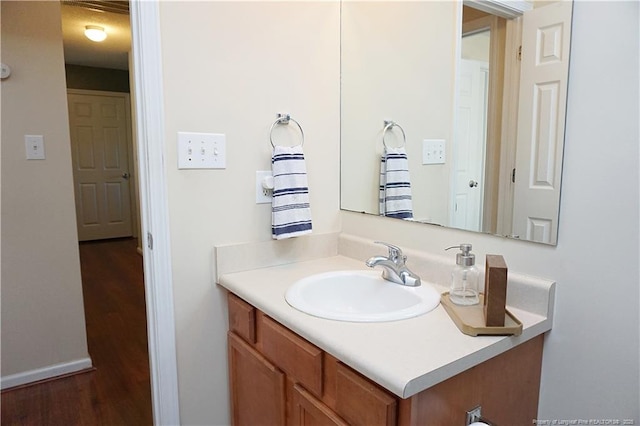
pixel 395 252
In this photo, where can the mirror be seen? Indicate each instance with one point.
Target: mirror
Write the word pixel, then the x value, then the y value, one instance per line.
pixel 476 95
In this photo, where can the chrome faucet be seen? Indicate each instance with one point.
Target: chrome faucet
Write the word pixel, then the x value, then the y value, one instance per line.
pixel 393 267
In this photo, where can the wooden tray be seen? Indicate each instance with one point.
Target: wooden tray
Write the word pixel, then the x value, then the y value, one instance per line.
pixel 470 319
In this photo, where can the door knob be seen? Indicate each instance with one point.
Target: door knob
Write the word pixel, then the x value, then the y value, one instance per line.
pixel 125 176
pixel 473 183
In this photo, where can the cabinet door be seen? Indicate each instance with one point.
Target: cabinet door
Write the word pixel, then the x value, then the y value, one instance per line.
pixel 301 360
pixel 361 402
pixel 308 411
pixel 257 387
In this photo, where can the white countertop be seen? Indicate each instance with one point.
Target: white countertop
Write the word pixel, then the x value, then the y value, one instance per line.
pixel 405 356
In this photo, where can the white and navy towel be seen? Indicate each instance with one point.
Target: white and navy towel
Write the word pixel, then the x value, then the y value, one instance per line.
pixel 290 211
pixel 395 185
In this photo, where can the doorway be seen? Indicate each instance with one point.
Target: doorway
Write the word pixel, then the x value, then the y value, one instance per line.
pixel 471 131
pixel 101 150
pixel 479 98
pixel 104 168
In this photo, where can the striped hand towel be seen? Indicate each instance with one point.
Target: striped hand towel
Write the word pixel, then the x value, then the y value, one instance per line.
pixel 395 185
pixel 290 211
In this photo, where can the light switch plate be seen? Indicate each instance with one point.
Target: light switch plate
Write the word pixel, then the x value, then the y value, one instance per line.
pixel 201 150
pixel 34 145
pixel 433 151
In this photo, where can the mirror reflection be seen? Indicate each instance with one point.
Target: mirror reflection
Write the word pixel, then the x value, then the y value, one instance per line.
pixel 478 95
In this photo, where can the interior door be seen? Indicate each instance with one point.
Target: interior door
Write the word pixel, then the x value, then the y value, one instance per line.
pixel 470 139
pixel 543 84
pixel 100 137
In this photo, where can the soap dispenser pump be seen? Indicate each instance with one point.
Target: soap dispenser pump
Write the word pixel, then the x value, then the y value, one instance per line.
pixel 464 278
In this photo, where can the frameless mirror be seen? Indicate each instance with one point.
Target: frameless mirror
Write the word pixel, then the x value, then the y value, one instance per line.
pixel 477 92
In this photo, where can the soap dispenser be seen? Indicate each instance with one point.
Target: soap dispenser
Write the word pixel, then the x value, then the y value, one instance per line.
pixel 464 278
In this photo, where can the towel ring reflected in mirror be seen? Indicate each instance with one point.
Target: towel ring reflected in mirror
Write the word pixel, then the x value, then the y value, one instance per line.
pixel 284 119
pixel 388 125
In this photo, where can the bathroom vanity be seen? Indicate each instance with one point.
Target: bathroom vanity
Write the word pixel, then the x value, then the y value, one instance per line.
pixel 290 368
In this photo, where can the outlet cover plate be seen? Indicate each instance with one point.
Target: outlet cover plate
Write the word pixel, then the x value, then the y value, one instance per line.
pixel 263 195
pixel 201 150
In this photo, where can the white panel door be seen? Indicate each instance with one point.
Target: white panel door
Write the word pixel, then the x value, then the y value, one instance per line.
pixel 100 137
pixel 541 112
pixel 470 137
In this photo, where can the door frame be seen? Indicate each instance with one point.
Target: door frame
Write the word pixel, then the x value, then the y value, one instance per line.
pixel 154 212
pixel 133 182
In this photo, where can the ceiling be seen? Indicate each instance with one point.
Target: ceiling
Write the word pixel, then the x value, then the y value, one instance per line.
pixel 113 16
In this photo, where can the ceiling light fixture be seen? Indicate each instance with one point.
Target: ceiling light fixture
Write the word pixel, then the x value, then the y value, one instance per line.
pixel 95 33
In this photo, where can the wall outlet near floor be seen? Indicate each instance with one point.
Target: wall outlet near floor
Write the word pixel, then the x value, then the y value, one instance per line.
pixel 201 151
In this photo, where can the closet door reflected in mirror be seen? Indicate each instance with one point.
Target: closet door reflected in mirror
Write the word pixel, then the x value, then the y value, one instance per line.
pixel 492 88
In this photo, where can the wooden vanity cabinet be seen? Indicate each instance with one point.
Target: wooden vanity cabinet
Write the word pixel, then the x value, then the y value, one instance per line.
pixel 278 378
pixel 258 387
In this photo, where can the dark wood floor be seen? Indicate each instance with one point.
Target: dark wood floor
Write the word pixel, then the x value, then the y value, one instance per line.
pixel 117 391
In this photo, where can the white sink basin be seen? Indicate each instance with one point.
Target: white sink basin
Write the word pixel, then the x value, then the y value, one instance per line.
pixel 360 296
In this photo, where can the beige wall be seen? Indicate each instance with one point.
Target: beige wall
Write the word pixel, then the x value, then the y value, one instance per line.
pixel 229 67
pixel 42 309
pixel 404 73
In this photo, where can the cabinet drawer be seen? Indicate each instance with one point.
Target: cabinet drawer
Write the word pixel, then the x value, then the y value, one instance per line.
pixel 242 318
pixel 298 358
pixel 361 402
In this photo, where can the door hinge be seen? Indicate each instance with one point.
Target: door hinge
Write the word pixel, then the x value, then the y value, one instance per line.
pixel 519 54
pixel 513 175
pixel 150 240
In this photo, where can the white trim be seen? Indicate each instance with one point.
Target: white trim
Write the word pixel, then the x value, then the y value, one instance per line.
pixel 505 8
pixel 147 68
pixel 47 372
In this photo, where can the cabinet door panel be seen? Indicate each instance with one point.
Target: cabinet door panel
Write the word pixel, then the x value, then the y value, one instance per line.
pixel 257 387
pixel 298 358
pixel 308 411
pixel 361 402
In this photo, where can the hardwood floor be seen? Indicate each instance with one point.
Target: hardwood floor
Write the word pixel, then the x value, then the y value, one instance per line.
pixel 117 391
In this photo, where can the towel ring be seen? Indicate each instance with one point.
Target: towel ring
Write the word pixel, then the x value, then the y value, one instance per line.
pixel 284 119
pixel 388 125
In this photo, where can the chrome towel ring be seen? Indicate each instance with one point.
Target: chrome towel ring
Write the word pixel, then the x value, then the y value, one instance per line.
pixel 284 119
pixel 390 124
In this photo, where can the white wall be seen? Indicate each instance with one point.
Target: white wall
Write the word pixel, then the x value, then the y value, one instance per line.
pixel 591 359
pixel 42 308
pixel 229 67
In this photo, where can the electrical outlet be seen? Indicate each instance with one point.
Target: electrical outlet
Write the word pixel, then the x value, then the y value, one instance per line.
pixel 263 195
pixel 201 150
pixel 474 415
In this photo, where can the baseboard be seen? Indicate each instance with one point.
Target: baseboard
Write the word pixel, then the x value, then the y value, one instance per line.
pixel 43 373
